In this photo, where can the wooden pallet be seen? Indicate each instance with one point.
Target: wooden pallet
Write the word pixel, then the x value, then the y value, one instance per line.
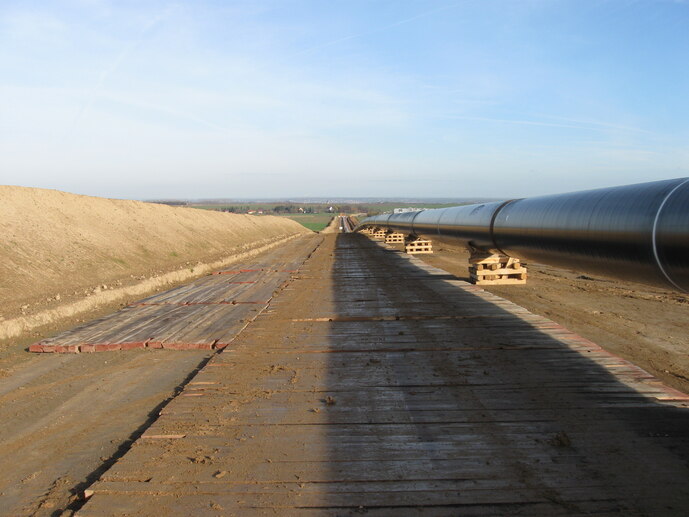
pixel 394 238
pixel 418 246
pixel 496 269
pixel 379 234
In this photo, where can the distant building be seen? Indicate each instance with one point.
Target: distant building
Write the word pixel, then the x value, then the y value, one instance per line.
pixel 404 210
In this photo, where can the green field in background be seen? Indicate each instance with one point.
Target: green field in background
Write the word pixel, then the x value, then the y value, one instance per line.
pixel 320 208
pixel 314 222
pixel 242 206
pixel 319 220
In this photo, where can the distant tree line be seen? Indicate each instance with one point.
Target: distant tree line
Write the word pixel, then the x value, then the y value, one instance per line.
pixel 168 202
pixel 313 208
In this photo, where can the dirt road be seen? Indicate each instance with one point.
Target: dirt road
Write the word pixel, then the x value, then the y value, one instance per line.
pixel 65 419
pixel 377 384
pixel 365 365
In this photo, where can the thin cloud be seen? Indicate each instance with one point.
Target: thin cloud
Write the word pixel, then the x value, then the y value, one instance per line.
pixel 374 31
pixel 586 125
pixel 117 62
pixel 598 123
pixel 164 110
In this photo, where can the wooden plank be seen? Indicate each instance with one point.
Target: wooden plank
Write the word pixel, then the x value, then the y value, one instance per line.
pixel 406 397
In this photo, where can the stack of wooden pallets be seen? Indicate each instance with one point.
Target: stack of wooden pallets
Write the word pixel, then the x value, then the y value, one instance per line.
pixel 379 234
pixel 416 246
pixel 394 238
pixel 496 269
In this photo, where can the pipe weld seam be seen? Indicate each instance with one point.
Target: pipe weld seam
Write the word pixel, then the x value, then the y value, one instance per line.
pixel 491 228
pixel 654 234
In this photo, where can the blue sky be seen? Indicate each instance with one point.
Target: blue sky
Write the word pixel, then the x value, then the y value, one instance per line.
pixel 501 98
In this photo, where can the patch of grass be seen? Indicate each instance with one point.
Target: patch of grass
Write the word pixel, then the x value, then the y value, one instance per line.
pixel 173 254
pixel 316 227
pixel 314 222
pixel 353 207
pixel 119 261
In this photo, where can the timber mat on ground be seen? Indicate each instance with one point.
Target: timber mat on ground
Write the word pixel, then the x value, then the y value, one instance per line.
pixel 63 254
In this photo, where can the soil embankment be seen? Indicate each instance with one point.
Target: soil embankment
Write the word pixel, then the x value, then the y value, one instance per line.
pixel 64 255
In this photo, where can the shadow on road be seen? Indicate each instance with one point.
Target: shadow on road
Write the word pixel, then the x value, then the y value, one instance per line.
pixel 448 400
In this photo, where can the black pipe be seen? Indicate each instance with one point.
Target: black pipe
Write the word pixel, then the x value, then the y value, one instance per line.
pixel 634 232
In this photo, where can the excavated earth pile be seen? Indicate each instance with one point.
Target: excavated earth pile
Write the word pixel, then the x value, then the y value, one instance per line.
pixel 63 254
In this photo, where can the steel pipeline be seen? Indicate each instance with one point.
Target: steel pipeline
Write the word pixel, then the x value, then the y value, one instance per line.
pixel 634 232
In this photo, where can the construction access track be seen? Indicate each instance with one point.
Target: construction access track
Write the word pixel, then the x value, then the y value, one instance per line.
pixel 371 382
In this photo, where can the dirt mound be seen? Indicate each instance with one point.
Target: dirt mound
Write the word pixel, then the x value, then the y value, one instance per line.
pixel 62 254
